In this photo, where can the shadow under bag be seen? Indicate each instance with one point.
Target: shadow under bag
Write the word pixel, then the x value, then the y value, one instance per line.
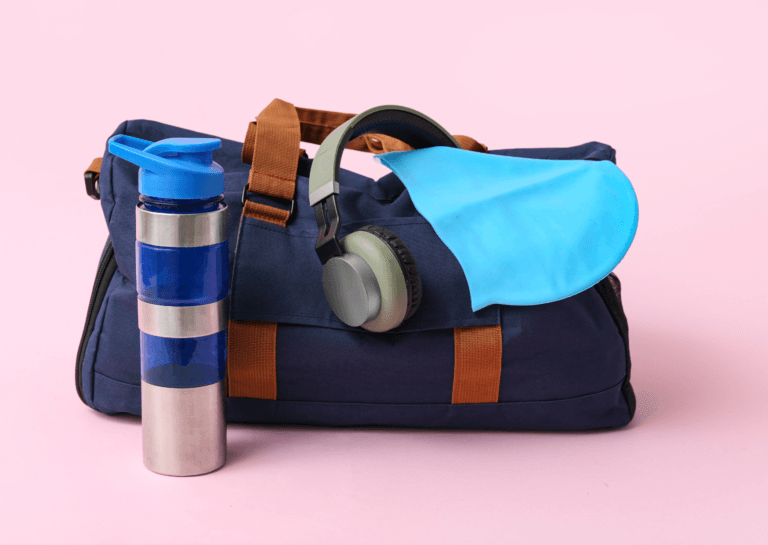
pixel 562 365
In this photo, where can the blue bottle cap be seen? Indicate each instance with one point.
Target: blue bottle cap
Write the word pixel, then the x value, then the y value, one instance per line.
pixel 174 168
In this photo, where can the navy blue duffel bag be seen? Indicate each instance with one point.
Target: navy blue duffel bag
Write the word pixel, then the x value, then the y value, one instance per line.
pixel 557 366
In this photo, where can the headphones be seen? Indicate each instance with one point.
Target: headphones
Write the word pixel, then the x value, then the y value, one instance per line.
pixel 370 278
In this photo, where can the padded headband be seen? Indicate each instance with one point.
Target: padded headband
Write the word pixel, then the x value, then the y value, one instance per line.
pixel 409 126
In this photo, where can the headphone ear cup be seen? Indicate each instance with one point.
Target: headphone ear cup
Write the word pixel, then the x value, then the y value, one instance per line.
pixel 407 265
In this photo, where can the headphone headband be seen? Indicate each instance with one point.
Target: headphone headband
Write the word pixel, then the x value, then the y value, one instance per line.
pixel 412 127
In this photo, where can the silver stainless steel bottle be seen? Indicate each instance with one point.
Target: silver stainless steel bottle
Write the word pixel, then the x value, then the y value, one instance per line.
pixel 182 280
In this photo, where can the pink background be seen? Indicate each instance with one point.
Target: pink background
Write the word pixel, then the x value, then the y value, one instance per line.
pixel 678 88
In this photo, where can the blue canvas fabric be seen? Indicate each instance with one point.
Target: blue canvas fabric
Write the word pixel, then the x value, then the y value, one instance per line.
pixel 565 364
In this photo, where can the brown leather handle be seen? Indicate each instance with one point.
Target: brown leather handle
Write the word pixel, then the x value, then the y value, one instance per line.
pixel 316 125
pixel 272 149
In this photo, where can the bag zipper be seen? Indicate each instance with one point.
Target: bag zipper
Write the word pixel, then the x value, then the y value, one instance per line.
pixel 107 268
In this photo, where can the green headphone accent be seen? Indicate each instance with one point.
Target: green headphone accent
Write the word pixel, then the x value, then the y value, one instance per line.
pixel 370 278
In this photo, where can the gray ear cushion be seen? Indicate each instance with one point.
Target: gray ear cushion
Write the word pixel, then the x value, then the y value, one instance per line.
pixel 407 265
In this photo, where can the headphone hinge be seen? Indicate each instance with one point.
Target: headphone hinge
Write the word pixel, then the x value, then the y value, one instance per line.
pixel 328 223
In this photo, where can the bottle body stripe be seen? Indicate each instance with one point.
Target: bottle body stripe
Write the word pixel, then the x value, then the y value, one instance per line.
pixel 191 230
pixel 183 297
pixel 178 322
pixel 182 276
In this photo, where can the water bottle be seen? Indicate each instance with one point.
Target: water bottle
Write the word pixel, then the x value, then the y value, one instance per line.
pixel 182 280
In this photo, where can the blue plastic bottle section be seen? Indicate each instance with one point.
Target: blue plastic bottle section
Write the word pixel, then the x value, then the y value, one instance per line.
pixel 182 277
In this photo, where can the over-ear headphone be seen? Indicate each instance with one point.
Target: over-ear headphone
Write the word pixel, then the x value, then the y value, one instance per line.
pixel 370 278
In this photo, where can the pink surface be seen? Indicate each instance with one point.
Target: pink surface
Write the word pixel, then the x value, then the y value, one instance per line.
pixel 678 88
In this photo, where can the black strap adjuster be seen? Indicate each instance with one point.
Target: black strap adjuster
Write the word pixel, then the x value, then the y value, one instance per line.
pixel 244 197
pixel 329 223
pixel 92 184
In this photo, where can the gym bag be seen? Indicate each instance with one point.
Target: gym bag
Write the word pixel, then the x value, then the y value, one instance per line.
pixel 563 365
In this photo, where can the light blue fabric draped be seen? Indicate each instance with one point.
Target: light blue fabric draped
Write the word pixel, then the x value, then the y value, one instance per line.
pixel 525 231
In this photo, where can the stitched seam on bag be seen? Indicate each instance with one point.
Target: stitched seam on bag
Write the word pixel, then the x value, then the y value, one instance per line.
pixel 112 177
pixel 260 224
pixel 112 185
pixel 115 380
pixel 606 390
pixel 267 317
pixel 573 398
pixel 272 176
pixel 104 305
pixel 313 124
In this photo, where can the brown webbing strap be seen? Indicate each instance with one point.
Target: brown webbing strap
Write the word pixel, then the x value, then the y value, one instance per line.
pixel 251 359
pixel 477 364
pixel 95 167
pixel 273 147
pixel 470 144
pixel 270 214
pixel 316 125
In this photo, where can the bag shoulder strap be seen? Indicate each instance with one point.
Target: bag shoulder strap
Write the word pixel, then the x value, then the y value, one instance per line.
pixel 272 149
pixel 316 125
